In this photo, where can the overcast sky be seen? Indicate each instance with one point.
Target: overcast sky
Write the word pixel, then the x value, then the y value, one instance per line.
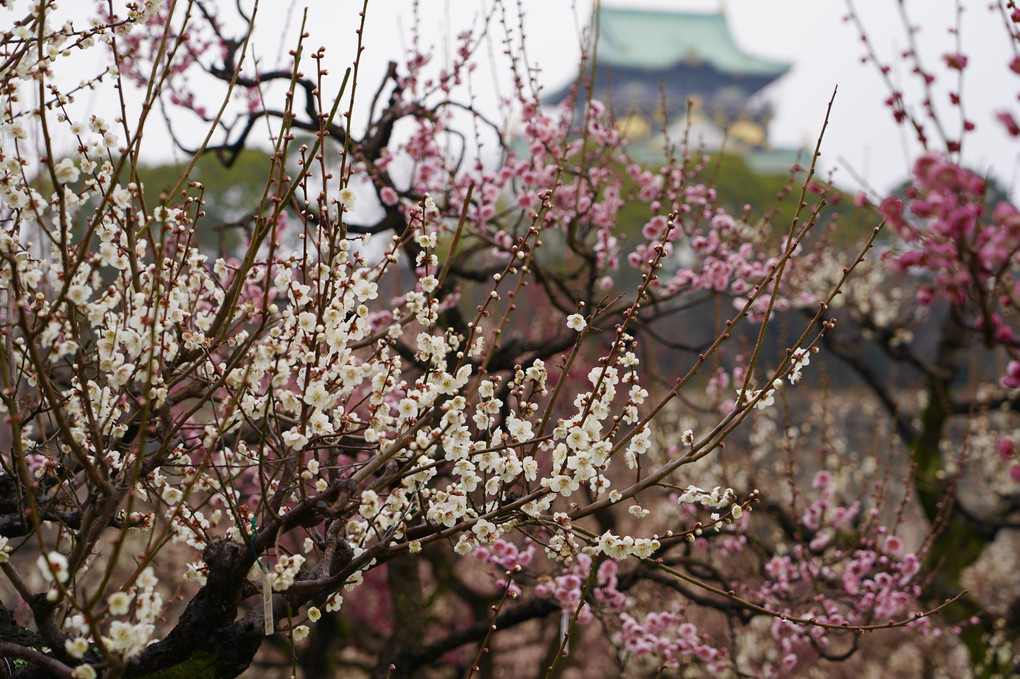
pixel 823 50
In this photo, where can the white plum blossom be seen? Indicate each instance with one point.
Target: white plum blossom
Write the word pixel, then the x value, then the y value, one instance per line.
pixel 172 495
pixel 485 530
pixel 53 566
pixel 717 498
pixel 563 484
pixel 334 603
pixel 369 504
pixel 465 544
pixel 318 396
pixel 284 572
pixel 519 429
pixel 128 638
pixel 576 322
pixel 120 603
pixel 147 578
pixel 84 671
pixel 67 172
pixel 76 647
pixel 799 359
pixel 295 439
pixel 620 547
pixel 365 289
pixel 347 198
pixel 195 572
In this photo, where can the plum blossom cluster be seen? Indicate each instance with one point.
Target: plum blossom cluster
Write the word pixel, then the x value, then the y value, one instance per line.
pixel 290 348
pixel 661 639
pixel 963 249
pixel 132 616
pixel 588 591
pixel 671 642
pixel 863 582
pixel 950 235
pixel 562 175
pixel 336 395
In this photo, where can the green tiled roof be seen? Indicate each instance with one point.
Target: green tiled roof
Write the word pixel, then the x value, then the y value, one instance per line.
pixel 658 40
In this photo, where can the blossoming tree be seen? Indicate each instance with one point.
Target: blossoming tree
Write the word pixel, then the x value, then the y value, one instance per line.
pixel 434 398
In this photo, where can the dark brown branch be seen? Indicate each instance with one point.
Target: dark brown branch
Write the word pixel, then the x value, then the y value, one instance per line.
pixel 536 608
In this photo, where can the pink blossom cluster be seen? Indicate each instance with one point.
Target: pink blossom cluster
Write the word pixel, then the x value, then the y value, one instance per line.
pixel 834 580
pixel 663 635
pixel 1004 446
pixel 565 165
pixel 507 556
pixel 568 588
pixel 966 253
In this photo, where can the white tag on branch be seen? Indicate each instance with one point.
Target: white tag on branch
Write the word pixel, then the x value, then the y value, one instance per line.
pixel 267 603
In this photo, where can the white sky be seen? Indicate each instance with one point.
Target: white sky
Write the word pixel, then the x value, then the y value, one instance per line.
pixel 824 52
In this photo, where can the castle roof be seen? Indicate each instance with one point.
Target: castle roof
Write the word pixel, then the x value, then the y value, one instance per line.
pixel 659 40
